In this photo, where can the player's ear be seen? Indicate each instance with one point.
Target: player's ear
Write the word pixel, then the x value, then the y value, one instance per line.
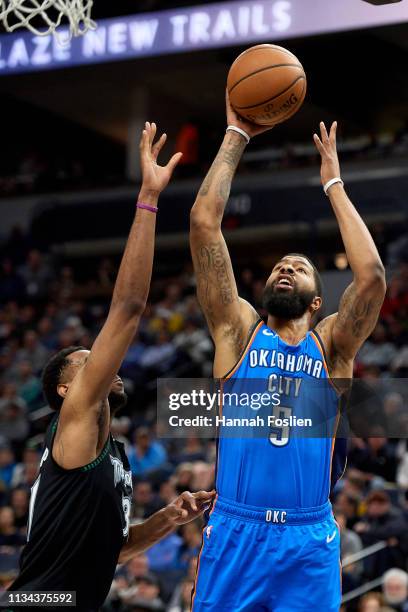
pixel 316 304
pixel 62 389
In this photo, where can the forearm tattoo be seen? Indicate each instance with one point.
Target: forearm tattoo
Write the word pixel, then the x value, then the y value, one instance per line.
pixel 213 261
pixel 215 282
pixel 222 170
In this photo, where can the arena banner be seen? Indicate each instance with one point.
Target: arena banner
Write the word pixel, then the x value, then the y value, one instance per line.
pixel 194 28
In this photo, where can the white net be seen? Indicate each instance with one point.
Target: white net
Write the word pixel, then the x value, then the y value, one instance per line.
pixel 43 17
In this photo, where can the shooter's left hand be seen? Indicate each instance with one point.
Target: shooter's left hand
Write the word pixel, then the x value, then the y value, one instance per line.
pixel 326 145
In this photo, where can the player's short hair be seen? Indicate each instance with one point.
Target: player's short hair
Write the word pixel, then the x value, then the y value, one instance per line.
pixel 317 277
pixel 52 373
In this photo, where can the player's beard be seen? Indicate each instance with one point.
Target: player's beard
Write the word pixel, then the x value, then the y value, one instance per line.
pixel 117 400
pixel 284 304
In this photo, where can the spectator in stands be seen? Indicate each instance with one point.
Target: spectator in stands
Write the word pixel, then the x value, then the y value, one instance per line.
pixel 11 283
pixel 145 502
pixel 160 356
pixel 181 602
pixel 19 501
pixel 348 505
pixel 350 545
pixel 376 455
pixel 9 534
pixel 203 473
pixel 64 284
pixel 120 428
pixel 13 414
pixel 167 491
pixel 7 462
pixel 28 385
pixel 191 535
pixel 163 556
pixel 146 454
pixel 171 303
pixel 147 594
pixel 193 340
pixel 131 365
pixel 183 477
pixel 399 365
pixel 123 585
pixel 33 351
pixel 193 451
pixel 372 602
pixel 377 350
pixel 137 566
pixel 383 522
pixel 395 589
pixel 36 274
pixel 22 474
pixel 46 331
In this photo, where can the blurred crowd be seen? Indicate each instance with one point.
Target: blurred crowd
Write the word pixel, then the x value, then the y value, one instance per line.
pixel 45 306
pixel 38 170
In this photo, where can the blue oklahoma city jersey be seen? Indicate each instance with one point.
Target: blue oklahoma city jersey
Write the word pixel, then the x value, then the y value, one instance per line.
pixel 281 466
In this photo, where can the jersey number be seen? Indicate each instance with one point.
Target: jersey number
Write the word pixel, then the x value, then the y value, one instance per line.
pixel 126 503
pixel 279 436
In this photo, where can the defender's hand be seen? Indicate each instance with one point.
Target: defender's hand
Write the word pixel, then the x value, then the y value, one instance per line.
pixel 188 506
pixel 328 150
pixel 155 177
pixel 252 129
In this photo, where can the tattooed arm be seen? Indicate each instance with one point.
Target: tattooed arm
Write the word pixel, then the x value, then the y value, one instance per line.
pixel 345 332
pixel 229 317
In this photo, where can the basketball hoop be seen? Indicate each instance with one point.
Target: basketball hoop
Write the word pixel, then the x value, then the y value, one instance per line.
pixel 44 17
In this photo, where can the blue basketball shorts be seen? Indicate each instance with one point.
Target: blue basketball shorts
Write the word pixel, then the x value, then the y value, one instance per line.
pixel 254 559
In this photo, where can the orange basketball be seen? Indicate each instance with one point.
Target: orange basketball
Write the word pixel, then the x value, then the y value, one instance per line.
pixel 266 84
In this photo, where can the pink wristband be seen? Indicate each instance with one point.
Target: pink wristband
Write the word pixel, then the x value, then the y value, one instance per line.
pixel 147 207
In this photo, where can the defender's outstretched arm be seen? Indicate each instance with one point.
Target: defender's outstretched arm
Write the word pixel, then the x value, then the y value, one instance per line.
pixel 84 418
pixel 361 302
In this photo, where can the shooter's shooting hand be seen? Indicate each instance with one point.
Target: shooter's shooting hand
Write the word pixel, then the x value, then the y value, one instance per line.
pixel 252 129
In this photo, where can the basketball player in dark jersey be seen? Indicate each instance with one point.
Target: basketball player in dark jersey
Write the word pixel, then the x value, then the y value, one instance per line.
pixel 272 543
pixel 80 503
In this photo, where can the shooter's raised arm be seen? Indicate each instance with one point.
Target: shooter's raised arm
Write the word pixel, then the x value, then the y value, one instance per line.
pixel 229 318
pixel 360 305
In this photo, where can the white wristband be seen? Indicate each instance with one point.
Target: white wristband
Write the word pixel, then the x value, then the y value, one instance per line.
pixel 332 182
pixel 234 128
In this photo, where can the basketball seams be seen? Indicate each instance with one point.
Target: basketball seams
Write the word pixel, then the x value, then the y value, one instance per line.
pixel 289 81
pixel 247 76
pixel 274 97
pixel 266 46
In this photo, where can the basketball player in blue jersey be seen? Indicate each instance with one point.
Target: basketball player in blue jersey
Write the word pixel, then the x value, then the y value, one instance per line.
pixel 272 542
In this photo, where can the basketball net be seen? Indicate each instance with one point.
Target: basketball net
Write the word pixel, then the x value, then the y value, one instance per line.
pixel 44 17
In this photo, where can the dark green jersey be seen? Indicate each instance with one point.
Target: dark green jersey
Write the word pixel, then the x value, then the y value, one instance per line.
pixel 79 521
